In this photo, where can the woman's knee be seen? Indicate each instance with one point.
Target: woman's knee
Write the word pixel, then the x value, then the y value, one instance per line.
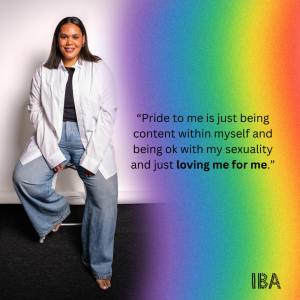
pixel 26 178
pixel 104 199
pixel 17 176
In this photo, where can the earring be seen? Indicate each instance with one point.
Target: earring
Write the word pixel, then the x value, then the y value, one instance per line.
pixel 83 45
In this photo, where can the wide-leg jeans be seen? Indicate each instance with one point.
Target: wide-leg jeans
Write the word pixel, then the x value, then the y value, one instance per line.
pixel 46 209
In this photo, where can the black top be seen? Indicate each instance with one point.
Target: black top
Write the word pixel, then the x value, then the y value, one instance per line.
pixel 69 108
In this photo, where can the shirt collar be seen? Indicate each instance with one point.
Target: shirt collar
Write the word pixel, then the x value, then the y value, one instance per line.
pixel 76 65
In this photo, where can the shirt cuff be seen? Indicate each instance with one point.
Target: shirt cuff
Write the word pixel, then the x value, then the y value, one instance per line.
pixel 55 159
pixel 89 163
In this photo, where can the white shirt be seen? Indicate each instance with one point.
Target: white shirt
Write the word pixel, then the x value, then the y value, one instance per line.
pixel 95 104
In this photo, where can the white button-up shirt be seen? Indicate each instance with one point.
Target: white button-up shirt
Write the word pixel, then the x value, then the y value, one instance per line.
pixel 95 104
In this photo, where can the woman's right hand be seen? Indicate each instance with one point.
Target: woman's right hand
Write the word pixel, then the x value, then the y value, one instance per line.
pixel 58 168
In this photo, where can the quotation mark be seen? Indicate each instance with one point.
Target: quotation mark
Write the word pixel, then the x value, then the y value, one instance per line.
pixel 139 115
pixel 272 162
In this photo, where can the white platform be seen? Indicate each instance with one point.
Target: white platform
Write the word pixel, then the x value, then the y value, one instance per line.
pixel 77 198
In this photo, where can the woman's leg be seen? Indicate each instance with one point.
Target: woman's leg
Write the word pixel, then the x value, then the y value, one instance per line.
pixel 99 223
pixel 100 214
pixel 44 207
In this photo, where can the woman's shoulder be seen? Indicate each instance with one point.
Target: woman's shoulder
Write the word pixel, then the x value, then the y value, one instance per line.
pixel 38 70
pixel 100 66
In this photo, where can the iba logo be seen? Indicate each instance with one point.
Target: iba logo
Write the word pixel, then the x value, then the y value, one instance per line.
pixel 262 281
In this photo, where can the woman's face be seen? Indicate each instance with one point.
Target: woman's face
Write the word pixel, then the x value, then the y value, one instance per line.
pixel 70 40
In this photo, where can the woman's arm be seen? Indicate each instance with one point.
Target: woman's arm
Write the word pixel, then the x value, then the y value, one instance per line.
pixel 100 138
pixel 45 137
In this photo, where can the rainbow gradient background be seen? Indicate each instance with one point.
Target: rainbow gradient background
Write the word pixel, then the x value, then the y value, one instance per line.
pixel 218 227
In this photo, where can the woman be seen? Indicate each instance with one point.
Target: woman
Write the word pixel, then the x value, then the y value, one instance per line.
pixel 72 108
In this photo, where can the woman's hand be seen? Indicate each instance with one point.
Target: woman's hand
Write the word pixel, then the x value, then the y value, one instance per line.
pixel 87 173
pixel 58 168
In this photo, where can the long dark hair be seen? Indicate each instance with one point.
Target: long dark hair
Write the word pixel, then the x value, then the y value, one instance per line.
pixel 56 55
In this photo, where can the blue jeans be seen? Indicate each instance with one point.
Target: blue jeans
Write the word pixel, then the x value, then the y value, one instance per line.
pixel 46 209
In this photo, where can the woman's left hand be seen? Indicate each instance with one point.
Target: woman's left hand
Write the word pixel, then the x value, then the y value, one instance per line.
pixel 87 173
